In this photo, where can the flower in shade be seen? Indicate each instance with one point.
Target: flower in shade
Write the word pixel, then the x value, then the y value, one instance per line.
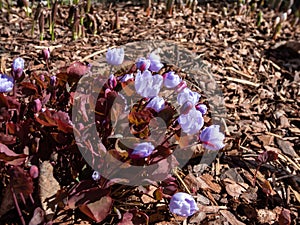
pixel 191 122
pixel 212 138
pixel 202 108
pixel 53 80
pixel 115 56
pixel 155 64
pixel 157 103
pixel 112 81
pixel 142 150
pixel 147 85
pixel 188 95
pixel 17 67
pixel 96 175
pixel 171 80
pixel 143 64
pixel 183 204
pixel 37 105
pixel 6 83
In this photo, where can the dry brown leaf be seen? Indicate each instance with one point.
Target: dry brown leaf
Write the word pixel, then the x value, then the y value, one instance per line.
pixel 231 218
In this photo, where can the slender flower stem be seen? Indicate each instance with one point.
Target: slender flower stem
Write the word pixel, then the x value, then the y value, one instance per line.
pixel 17 206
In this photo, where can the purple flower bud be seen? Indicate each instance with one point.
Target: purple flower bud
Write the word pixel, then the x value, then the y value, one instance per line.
pixel 126 77
pixel 157 103
pixel 37 105
pixel 171 80
pixel 46 53
pixel 17 67
pixel 115 56
pixel 181 86
pixel 142 150
pixel 202 108
pixel 96 175
pixel 192 122
pixel 34 171
pixel 186 107
pixel 212 138
pixel 112 81
pixel 143 64
pixel 183 204
pixel 188 95
pixel 6 83
pixel 53 80
pixel 155 65
pixel 147 85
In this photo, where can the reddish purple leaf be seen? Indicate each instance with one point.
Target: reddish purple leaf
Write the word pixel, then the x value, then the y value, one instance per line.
pixel 267 156
pixel 21 180
pixel 10 157
pixel 127 219
pixel 285 217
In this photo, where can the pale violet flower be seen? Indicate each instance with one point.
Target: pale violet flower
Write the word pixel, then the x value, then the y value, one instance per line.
pixel 142 150
pixel 143 64
pixel 212 138
pixel 157 103
pixel 96 175
pixel 183 204
pixel 188 95
pixel 17 67
pixel 126 77
pixel 191 122
pixel 147 85
pixel 6 83
pixel 115 56
pixel 155 64
pixel 171 80
pixel 202 108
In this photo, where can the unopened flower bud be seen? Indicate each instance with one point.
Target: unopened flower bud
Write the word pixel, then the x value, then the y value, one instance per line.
pixel 53 80
pixel 46 53
pixel 37 105
pixel 34 171
pixel 17 67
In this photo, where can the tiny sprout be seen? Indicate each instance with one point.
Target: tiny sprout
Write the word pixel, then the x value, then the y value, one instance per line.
pixel 277 21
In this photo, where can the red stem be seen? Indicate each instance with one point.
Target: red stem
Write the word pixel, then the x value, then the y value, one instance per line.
pixel 17 206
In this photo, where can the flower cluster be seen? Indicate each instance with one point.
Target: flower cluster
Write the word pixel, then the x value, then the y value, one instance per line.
pixel 151 80
pixel 148 82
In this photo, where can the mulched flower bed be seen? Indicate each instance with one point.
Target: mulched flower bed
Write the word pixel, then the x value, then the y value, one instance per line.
pixel 254 179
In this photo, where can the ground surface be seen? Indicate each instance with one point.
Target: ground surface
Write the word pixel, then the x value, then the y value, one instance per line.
pixel 259 76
